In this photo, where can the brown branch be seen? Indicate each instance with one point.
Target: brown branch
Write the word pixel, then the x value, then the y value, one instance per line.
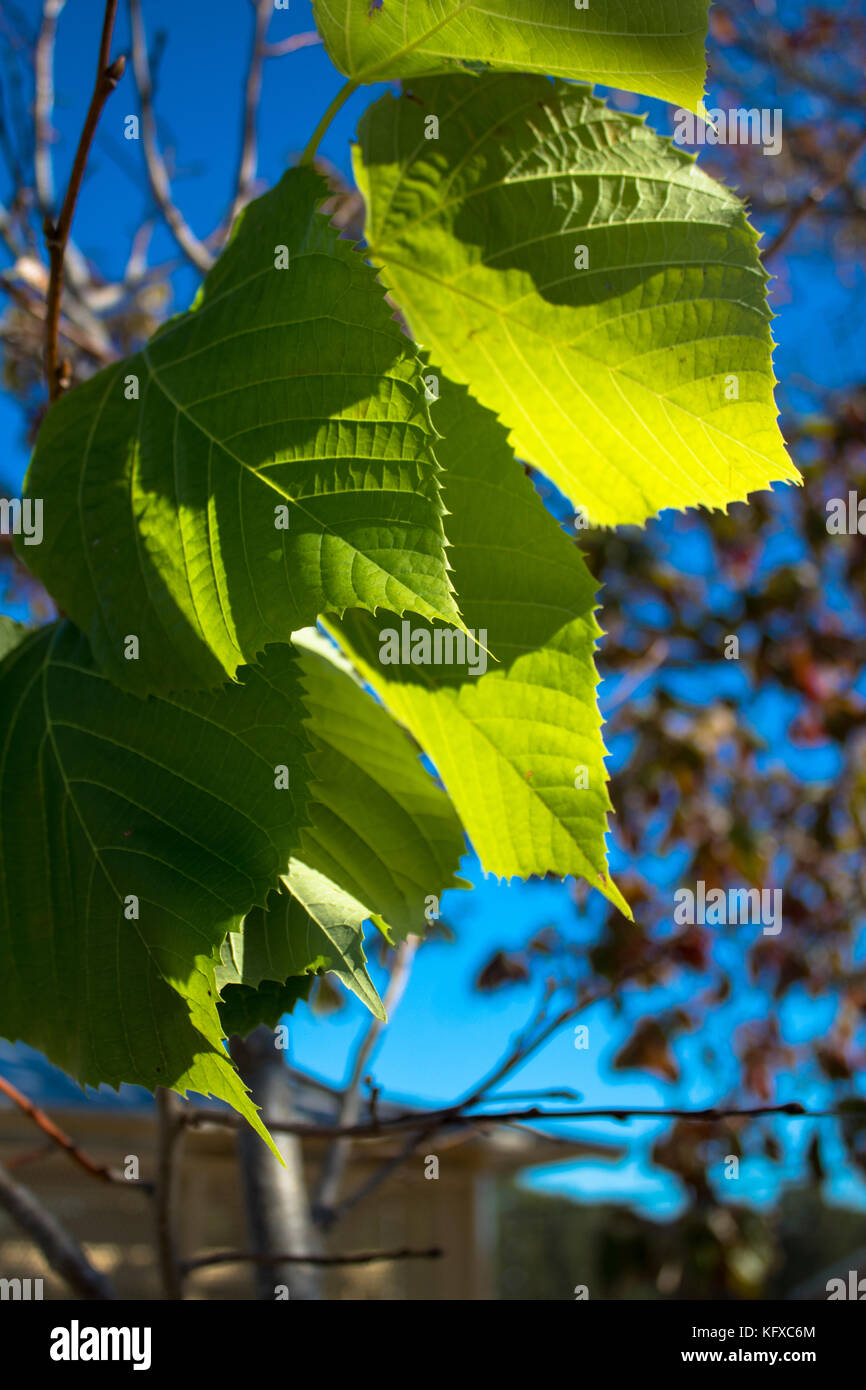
pixel 539 1029
pixel 383 1172
pixel 157 173
pixel 427 1121
pixel 815 197
pixel 15 246
pixel 60 1249
pixel 364 1257
pixel 59 1137
pixel 37 310
pixel 108 75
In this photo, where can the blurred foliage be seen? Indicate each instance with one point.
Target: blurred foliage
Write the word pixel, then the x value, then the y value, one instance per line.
pixel 549 1245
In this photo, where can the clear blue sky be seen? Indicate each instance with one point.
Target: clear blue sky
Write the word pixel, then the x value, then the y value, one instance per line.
pixel 444 1036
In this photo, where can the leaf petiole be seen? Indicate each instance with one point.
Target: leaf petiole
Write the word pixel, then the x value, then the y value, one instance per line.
pixel 339 101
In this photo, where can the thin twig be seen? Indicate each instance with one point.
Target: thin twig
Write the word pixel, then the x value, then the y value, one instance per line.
pixel 43 70
pixel 59 1137
pixel 815 197
pixel 157 173
pixel 655 657
pixel 540 1028
pixel 108 75
pixel 248 160
pixel 292 44
pixel 384 1171
pixel 364 1257
pixel 452 1116
pixel 65 329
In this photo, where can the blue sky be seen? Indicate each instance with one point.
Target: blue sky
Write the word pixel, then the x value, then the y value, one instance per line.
pixel 444 1033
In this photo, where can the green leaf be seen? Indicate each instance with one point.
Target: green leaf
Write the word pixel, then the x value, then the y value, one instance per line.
pixel 379 826
pixel 655 47
pixel 382 840
pixel 640 382
pixel 311 925
pixel 243 1008
pixel 106 799
pixel 510 745
pixel 11 634
pixel 284 395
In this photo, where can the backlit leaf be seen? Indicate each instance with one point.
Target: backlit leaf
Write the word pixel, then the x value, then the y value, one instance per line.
pixel 286 398
pixel 519 747
pixel 588 282
pixel 650 46
pixel 135 835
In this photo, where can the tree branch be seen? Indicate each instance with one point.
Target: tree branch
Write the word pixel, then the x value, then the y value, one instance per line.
pixel 276 1196
pixel 157 173
pixel 248 159
pixel 337 1156
pixel 453 1116
pixel 384 1171
pixel 43 68
pixel 62 1252
pixel 56 236
pixel 169 1111
pixel 65 329
pixel 815 197
pixel 364 1257
pixel 292 44
pixel 59 1136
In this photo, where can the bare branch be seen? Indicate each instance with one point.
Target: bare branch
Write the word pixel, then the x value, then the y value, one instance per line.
pixel 428 1121
pixel 248 160
pixel 337 1157
pixel 36 308
pixel 157 173
pixel 62 1252
pixel 540 1028
pixel 650 662
pixel 44 105
pixel 384 1171
pixel 292 44
pixel 815 197
pixel 59 1136
pixel 56 236
pixel 363 1257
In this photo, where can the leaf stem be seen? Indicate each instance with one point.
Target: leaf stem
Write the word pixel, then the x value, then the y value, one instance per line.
pixel 339 100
